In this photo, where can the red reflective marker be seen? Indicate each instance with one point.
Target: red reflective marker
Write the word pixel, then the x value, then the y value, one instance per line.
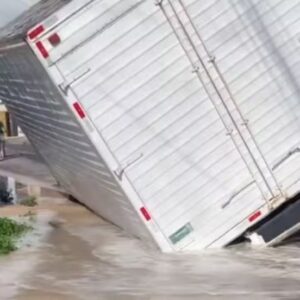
pixel 42 49
pixel 79 110
pixel 254 216
pixel 36 32
pixel 145 213
pixel 54 39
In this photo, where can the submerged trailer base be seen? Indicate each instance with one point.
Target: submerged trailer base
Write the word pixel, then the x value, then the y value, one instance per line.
pixel 278 227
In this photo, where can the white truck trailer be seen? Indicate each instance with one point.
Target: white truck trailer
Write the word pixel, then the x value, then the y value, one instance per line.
pixel 176 120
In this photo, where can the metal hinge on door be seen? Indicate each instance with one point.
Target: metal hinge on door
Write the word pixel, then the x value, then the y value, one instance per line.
pixel 120 171
pixel 64 87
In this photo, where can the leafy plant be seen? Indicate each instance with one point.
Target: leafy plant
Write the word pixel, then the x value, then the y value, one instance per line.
pixel 29 201
pixel 7 245
pixel 10 231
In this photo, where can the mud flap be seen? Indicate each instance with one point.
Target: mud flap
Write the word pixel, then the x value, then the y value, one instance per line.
pixel 279 228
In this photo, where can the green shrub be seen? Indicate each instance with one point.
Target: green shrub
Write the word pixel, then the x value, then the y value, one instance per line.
pixel 7 245
pixel 29 201
pixel 10 231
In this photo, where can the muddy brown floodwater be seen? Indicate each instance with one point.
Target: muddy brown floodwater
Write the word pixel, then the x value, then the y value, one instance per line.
pixel 82 257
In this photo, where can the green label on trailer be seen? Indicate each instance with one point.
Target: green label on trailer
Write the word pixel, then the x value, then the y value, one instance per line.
pixel 181 233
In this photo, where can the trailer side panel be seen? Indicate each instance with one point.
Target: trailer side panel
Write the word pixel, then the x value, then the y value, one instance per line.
pixel 49 124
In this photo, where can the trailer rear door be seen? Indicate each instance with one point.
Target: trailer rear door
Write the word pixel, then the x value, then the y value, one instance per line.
pixel 255 49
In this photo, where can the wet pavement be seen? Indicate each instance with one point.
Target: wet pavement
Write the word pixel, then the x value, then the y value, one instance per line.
pixel 77 256
pixel 25 165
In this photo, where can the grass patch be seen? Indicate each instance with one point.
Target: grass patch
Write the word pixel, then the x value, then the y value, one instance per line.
pixel 30 201
pixel 10 232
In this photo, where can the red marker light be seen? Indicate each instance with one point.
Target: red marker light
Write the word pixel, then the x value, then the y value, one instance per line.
pixel 54 39
pixel 36 32
pixel 79 110
pixel 254 216
pixel 42 49
pixel 145 213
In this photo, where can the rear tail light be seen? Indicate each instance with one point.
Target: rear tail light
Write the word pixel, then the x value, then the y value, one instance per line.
pixel 42 49
pixel 54 39
pixel 36 32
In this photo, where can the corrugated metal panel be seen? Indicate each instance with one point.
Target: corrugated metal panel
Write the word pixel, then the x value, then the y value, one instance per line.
pixel 149 107
pixel 48 123
pixel 256 44
pixel 201 155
